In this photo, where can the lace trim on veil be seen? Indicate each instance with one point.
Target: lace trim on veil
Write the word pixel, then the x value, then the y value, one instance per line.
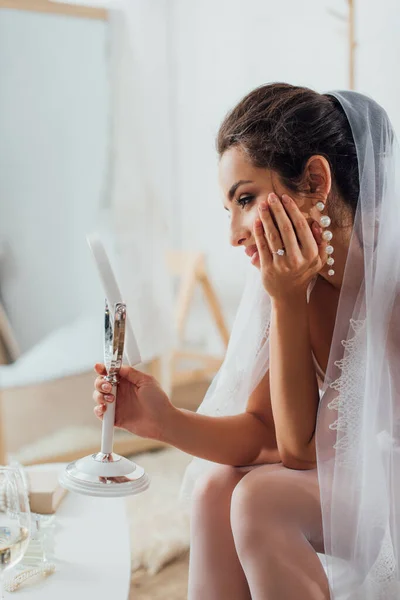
pixel 381 582
pixel 350 387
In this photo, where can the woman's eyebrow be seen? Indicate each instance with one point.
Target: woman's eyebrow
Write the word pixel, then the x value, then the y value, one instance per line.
pixel 235 186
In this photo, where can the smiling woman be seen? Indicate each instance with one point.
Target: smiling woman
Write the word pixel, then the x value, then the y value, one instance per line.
pixel 294 163
pixel 294 478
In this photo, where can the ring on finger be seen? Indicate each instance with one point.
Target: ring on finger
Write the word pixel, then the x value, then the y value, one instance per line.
pixel 280 252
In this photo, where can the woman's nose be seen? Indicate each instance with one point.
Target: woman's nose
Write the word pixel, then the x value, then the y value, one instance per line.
pixel 237 238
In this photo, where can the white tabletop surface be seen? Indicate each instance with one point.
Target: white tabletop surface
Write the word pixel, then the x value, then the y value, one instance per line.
pixel 92 553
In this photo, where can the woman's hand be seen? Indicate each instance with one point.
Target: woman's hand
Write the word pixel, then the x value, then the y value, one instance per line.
pixel 142 406
pixel 304 257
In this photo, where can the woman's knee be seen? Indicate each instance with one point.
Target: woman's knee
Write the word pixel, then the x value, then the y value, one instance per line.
pixel 265 503
pixel 255 507
pixel 213 490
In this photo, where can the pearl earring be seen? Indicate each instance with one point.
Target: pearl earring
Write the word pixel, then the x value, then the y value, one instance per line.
pixel 327 236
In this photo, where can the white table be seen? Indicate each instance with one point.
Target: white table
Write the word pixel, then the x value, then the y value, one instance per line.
pixel 92 553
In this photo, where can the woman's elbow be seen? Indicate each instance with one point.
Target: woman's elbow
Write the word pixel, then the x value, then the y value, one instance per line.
pixel 302 460
pixel 298 464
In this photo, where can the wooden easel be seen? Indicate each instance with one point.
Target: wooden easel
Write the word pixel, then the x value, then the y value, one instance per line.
pixel 191 268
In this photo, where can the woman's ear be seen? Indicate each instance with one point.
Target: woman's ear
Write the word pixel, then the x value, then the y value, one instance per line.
pixel 317 179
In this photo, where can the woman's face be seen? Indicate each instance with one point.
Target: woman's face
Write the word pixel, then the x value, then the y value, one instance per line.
pixel 244 187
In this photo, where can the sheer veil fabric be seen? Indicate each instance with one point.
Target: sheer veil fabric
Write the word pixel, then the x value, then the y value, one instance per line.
pixel 358 421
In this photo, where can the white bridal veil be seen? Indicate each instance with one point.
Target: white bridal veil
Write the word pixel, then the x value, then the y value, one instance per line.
pixel 358 422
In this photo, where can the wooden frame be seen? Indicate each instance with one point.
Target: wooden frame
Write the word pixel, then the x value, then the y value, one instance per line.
pixel 56 8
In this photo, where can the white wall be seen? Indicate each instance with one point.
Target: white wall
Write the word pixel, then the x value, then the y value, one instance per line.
pixel 223 50
pixel 378 54
pixel 226 48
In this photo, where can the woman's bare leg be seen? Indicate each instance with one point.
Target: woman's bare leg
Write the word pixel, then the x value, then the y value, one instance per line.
pixel 215 572
pixel 277 528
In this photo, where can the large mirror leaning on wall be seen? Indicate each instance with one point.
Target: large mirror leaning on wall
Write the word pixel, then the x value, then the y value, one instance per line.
pixel 86 140
pixel 74 159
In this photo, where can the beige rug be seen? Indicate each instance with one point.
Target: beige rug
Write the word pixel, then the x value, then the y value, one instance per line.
pixel 159 527
pixel 171 583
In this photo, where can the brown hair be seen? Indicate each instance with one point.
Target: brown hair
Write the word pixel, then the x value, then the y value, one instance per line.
pixel 280 126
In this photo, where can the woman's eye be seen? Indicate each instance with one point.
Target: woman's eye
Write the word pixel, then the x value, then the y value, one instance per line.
pixel 243 200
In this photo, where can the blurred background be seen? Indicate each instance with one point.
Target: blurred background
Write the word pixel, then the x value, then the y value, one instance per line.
pixel 108 117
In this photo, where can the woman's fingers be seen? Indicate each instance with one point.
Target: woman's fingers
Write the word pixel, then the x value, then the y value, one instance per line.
pixel 100 407
pixel 99 411
pixel 301 227
pixel 102 394
pixel 263 250
pixel 285 225
pixel 103 386
pixel 271 232
pixel 100 398
pixel 100 369
pixel 317 232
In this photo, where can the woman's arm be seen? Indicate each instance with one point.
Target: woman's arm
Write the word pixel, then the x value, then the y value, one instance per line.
pixel 294 386
pixel 244 439
pixel 248 438
pixel 234 440
pixel 144 409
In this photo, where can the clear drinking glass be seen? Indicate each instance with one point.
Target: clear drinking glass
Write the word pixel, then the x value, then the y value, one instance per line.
pixel 15 520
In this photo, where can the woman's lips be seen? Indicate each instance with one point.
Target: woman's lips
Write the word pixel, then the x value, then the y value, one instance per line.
pixel 250 250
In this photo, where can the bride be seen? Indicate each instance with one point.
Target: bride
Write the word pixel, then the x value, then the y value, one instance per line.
pixel 295 484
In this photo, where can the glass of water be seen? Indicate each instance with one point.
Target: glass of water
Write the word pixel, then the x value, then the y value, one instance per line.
pixel 15 520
